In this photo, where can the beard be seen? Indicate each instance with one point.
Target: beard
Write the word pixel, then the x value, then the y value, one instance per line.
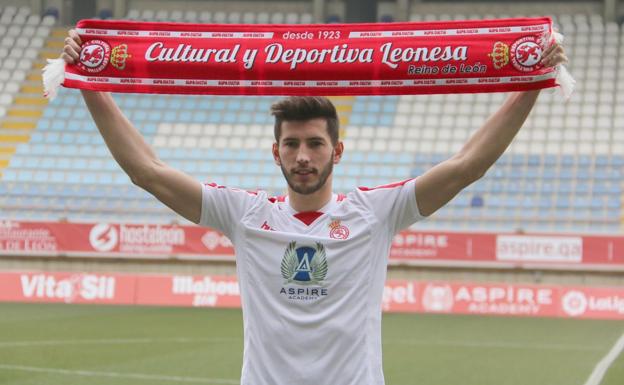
pixel 304 188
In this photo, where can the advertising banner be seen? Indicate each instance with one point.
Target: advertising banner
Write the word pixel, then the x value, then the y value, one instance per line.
pixel 497 299
pixel 122 240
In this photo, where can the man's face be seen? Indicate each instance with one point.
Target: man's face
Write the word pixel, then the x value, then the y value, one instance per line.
pixel 306 155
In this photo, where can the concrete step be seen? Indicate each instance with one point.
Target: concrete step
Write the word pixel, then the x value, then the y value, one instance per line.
pixel 58 33
pixel 18 125
pixel 32 95
pixel 24 113
pixel 55 45
pixel 35 76
pixel 13 140
pixel 6 151
pixel 30 101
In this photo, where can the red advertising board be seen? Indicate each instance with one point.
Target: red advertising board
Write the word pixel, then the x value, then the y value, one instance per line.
pixel 68 287
pixel 420 247
pixel 500 299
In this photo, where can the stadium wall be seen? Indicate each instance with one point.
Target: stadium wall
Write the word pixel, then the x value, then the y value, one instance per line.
pixel 400 272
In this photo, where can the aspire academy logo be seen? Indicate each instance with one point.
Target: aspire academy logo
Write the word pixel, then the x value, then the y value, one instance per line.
pixel 94 56
pixel 304 267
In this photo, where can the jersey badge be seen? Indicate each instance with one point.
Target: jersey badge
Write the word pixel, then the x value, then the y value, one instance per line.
pixel 338 231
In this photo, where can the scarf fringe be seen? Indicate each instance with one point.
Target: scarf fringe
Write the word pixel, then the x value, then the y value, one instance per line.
pixel 564 78
pixel 53 75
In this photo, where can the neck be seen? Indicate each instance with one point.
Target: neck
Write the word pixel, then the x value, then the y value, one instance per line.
pixel 311 202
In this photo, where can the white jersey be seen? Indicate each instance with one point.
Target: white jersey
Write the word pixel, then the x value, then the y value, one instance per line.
pixel 311 283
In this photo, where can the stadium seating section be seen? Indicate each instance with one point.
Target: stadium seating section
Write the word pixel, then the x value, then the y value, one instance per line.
pixel 563 173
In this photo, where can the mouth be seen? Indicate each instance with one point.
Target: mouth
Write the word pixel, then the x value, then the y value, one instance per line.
pixel 304 172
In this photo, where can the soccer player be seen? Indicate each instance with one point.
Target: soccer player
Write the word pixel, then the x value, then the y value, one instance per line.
pixel 311 265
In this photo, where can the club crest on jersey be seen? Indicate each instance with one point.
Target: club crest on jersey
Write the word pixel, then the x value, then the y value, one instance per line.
pixel 304 265
pixel 338 231
pixel 94 56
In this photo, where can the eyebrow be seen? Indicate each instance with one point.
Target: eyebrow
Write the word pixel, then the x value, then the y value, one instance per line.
pixel 306 139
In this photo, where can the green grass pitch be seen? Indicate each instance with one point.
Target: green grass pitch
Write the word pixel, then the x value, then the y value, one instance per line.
pixel 54 344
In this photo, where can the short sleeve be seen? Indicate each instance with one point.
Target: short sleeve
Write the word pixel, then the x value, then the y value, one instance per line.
pixel 223 207
pixel 393 204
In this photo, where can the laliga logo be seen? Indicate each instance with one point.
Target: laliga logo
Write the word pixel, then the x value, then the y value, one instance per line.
pixel 94 56
pixel 438 298
pixel 574 303
pixel 526 54
pixel 103 237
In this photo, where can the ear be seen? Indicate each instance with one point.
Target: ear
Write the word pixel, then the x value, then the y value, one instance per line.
pixel 338 150
pixel 276 156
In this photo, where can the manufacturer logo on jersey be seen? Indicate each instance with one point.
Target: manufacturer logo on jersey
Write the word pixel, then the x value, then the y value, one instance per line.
pixel 266 226
pixel 304 265
pixel 499 55
pixel 526 54
pixel 94 56
pixel 338 231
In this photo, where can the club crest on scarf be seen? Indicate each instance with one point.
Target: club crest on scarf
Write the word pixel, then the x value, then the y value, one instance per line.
pixel 499 55
pixel 526 54
pixel 119 56
pixel 94 56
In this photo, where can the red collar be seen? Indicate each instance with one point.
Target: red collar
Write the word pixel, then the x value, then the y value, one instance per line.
pixel 308 217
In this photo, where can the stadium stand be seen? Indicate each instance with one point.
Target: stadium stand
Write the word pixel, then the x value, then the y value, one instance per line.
pixel 563 172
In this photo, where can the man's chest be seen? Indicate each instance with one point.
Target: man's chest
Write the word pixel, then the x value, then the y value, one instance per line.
pixel 279 250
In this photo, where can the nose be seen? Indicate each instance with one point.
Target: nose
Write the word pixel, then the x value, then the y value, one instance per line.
pixel 302 155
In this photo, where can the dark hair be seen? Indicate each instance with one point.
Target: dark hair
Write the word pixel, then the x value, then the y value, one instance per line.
pixel 300 108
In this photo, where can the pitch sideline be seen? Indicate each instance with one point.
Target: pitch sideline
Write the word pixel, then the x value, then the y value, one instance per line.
pixel 137 376
pixel 601 367
pixel 467 344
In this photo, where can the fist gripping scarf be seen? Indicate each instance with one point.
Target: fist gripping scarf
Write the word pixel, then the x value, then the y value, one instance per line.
pixel 334 59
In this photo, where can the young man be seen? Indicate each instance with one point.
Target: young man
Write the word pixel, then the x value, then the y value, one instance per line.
pixel 311 265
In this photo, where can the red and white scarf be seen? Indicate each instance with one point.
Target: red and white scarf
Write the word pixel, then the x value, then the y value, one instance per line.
pixel 317 59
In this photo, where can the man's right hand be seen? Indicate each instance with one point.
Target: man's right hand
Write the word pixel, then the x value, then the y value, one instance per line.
pixel 71 49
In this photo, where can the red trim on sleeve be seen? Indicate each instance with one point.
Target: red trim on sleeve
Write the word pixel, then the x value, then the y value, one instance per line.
pixel 281 198
pixel 391 185
pixel 231 188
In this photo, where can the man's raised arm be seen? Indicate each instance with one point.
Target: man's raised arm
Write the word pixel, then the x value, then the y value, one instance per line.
pixel 441 183
pixel 179 191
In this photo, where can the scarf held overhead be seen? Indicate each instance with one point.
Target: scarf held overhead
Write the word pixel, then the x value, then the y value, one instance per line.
pixel 331 59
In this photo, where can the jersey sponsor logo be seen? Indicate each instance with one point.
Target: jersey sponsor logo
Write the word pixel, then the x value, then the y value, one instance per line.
pixel 338 231
pixel 304 266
